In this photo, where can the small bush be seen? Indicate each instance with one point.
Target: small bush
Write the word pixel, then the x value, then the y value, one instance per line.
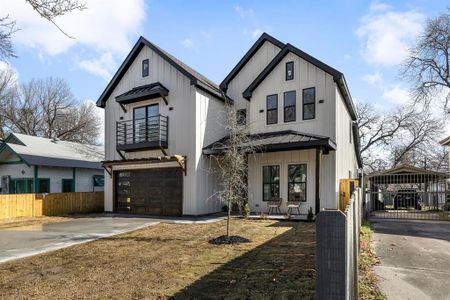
pixel 225 208
pixel 310 216
pixel 246 210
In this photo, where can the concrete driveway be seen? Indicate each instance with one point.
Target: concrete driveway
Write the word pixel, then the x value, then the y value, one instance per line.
pixel 415 258
pixel 30 240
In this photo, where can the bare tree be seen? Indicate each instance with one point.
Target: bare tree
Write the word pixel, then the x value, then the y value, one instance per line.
pixel 428 64
pixel 389 139
pixel 47 9
pixel 8 90
pixel 232 162
pixel 47 108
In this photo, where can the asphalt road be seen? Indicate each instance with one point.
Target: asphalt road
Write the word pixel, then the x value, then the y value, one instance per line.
pixel 415 258
pixel 25 241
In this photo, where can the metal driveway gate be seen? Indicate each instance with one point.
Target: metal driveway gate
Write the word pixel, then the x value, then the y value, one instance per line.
pixel 409 193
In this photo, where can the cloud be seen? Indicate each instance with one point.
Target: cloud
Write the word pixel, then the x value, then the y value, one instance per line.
pixel 396 94
pixel 375 79
pixel 244 13
pixel 104 66
pixel 386 34
pixel 187 42
pixel 256 33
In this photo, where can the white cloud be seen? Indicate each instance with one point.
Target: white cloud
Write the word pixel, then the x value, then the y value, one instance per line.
pixel 396 94
pixel 375 78
pixel 256 33
pixel 104 66
pixel 386 34
pixel 244 13
pixel 187 42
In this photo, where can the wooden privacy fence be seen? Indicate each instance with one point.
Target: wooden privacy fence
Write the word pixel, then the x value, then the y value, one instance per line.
pixel 38 205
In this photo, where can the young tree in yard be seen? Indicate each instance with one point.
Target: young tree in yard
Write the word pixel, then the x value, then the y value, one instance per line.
pixel 47 108
pixel 232 163
pixel 47 9
pixel 428 64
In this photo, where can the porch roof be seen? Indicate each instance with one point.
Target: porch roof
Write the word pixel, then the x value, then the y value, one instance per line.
pixel 277 141
pixel 149 91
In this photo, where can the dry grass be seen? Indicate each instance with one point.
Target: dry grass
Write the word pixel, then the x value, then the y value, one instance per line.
pixel 19 222
pixel 368 281
pixel 174 261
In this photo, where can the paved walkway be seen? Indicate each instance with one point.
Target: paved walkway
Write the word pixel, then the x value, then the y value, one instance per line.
pixel 415 258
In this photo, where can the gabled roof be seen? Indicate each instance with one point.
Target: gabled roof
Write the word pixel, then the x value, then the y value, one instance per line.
pixel 277 141
pixel 262 39
pixel 148 91
pixel 196 78
pixel 445 141
pixel 407 169
pixel 48 152
pixel 288 48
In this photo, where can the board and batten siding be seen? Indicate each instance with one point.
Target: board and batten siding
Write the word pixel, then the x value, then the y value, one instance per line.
pixel 306 75
pixel 249 72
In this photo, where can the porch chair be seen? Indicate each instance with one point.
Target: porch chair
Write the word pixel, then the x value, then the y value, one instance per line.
pixel 291 205
pixel 274 205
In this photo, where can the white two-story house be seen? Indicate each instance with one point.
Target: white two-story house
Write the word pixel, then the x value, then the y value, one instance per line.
pixel 163 119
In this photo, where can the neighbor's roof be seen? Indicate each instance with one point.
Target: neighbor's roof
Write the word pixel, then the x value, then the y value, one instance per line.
pixel 277 141
pixel 47 152
pixel 445 141
pixel 407 169
pixel 195 77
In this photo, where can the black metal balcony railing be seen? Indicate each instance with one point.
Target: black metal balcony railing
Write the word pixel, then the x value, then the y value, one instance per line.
pixel 145 133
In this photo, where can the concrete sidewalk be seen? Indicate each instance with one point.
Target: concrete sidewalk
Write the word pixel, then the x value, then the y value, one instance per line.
pixel 415 258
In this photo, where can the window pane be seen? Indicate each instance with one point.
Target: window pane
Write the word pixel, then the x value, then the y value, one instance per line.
pixel 152 110
pixel 290 70
pixel 309 111
pixel 145 68
pixel 272 116
pixel 309 95
pixel 289 98
pixel 271 191
pixel 289 114
pixel 139 113
pixel 241 117
pixel 272 102
pixel 297 192
pixel 297 173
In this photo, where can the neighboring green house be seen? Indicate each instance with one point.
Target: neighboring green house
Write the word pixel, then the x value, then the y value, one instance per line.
pixel 30 164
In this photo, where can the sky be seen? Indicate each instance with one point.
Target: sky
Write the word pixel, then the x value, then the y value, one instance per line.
pixel 366 40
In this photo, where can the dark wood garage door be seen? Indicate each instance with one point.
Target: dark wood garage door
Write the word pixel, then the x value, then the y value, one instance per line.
pixel 150 191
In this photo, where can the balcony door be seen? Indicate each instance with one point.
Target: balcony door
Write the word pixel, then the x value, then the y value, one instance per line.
pixel 146 123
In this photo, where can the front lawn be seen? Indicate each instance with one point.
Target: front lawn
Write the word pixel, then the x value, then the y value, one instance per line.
pixel 174 261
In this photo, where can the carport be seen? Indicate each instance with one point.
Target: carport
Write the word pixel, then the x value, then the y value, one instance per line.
pixel 407 192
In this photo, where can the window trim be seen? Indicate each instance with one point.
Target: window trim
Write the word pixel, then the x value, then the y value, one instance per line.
pixel 305 104
pixel 240 119
pixel 295 106
pixel 351 132
pixel 289 182
pixel 145 61
pixel 291 63
pixel 264 183
pixel 267 109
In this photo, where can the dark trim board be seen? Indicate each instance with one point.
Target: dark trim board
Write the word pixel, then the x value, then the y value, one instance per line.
pixel 318 167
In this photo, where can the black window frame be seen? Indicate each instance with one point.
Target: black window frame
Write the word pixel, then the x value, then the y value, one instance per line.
pixel 309 103
pixel 293 181
pixel 271 109
pixel 147 122
pixel 241 117
pixel 271 183
pixel 145 72
pixel 290 64
pixel 290 106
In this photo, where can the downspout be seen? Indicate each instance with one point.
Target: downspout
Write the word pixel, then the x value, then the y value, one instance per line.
pixel 73 178
pixel 35 181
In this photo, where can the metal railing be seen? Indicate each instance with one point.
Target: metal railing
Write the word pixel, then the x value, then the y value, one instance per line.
pixel 146 131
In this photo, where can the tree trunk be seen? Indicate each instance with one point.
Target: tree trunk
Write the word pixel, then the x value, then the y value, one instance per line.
pixel 228 218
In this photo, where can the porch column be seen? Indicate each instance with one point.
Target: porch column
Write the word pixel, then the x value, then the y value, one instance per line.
pixel 318 161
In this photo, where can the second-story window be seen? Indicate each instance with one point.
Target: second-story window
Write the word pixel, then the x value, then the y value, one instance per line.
pixel 146 123
pixel 272 109
pixel 241 116
pixel 309 103
pixel 145 67
pixel 289 70
pixel 289 106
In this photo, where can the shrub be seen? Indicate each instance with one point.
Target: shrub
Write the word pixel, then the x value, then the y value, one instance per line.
pixel 310 216
pixel 246 210
pixel 225 208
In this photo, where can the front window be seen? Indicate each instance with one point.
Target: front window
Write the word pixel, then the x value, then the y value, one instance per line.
pixel 241 116
pixel 289 106
pixel 309 103
pixel 271 183
pixel 145 67
pixel 272 109
pixel 99 180
pixel 297 182
pixel 146 123
pixel 67 185
pixel 43 185
pixel 290 70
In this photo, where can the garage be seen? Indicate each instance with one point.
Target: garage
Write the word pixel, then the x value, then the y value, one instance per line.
pixel 149 191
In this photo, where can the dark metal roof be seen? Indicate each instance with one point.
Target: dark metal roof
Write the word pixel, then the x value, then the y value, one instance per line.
pixel 277 141
pixel 149 91
pixel 263 38
pixel 33 160
pixel 196 78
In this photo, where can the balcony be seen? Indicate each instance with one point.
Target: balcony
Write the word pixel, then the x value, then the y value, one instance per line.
pixel 142 134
